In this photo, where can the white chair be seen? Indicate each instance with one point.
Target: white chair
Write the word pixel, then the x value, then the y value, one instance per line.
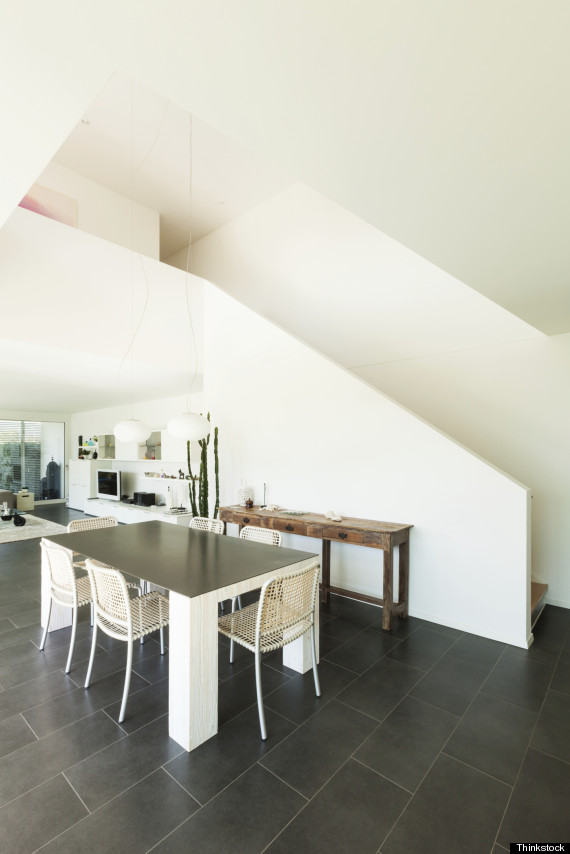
pixel 212 526
pixel 262 535
pixel 257 535
pixel 89 524
pixel 93 523
pixel 65 588
pixel 285 611
pixel 123 617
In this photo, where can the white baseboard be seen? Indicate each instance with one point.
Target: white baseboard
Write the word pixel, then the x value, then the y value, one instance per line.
pixel 521 642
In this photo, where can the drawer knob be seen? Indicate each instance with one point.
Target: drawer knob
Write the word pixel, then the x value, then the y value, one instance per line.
pixel 245 519
pixel 343 535
pixel 288 527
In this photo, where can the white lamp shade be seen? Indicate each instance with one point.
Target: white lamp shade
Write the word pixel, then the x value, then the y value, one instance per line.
pixel 189 426
pixel 132 431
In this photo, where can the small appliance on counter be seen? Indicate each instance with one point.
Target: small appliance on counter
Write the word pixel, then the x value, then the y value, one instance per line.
pixel 145 499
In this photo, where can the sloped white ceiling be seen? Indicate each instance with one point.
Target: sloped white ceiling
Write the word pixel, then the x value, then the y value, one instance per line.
pixel 350 291
pixel 68 321
pixel 443 125
pixel 141 145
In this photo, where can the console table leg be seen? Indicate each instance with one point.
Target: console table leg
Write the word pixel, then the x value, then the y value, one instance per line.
pixel 326 571
pixel 387 595
pixel 404 573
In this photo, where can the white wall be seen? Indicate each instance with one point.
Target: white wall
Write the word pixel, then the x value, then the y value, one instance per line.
pixel 104 213
pixel 510 404
pixel 478 373
pixel 322 439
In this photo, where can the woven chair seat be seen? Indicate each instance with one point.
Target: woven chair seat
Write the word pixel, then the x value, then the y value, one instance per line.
pixel 241 627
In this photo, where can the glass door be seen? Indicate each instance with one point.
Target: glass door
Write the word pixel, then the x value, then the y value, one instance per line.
pixel 32 455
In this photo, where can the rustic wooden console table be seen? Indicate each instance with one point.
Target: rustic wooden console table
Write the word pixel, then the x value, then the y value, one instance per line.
pixel 361 532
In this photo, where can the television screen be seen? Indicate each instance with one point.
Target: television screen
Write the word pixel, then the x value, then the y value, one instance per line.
pixel 109 484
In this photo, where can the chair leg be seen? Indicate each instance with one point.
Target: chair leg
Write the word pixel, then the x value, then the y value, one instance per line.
pixel 260 695
pixel 232 647
pixel 92 614
pixel 127 680
pixel 92 656
pixel 161 640
pixel 144 588
pixel 72 643
pixel 44 636
pixel 314 655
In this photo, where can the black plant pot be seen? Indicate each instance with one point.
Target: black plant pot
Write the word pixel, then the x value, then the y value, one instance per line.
pixel 19 521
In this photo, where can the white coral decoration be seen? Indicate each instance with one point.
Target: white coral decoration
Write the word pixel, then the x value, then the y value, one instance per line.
pixel 272 507
pixel 333 516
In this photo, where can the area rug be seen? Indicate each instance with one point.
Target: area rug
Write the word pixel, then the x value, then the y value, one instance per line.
pixel 34 527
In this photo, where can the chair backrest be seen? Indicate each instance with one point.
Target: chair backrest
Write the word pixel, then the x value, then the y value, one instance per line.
pixel 287 606
pixel 213 526
pixel 90 524
pixel 61 573
pixel 111 599
pixel 261 535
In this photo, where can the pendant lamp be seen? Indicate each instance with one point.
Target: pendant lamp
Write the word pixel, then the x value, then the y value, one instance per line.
pixel 189 426
pixel 132 430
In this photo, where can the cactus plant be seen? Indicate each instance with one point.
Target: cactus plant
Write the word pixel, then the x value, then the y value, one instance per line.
pixel 200 503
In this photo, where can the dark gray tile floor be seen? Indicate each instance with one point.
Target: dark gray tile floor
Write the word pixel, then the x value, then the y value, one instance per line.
pixel 424 740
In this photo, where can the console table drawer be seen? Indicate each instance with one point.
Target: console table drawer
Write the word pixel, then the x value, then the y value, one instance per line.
pixel 243 517
pixel 289 526
pixel 335 533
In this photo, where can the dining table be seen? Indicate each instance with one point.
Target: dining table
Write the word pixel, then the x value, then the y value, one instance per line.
pixel 200 570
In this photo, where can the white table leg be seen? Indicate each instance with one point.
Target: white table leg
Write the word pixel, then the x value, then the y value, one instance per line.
pixel 297 655
pixel 60 616
pixel 193 669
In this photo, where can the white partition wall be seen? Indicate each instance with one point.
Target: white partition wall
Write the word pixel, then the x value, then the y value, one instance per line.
pixel 322 439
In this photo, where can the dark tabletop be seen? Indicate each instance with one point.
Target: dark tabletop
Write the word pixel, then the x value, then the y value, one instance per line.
pixel 178 558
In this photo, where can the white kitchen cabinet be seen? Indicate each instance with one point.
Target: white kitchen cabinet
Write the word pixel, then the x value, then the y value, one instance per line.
pixel 83 481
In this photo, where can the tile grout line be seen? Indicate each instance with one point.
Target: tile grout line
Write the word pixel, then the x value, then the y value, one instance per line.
pixel 70 784
pixel 459 720
pixel 352 755
pixel 530 738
